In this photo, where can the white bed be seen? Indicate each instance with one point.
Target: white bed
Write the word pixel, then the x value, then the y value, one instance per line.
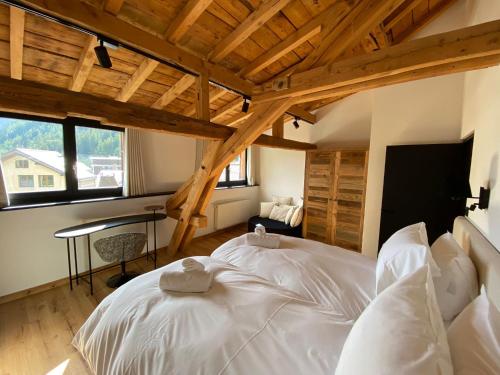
pixel 242 325
pixel 333 277
pixel 283 311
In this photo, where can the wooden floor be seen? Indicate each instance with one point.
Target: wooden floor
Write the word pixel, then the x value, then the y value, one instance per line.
pixel 36 331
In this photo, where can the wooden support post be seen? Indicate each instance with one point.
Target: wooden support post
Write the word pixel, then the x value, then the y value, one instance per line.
pixel 184 230
pixel 279 127
pixel 198 190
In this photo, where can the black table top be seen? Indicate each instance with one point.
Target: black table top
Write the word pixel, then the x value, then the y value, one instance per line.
pixel 96 226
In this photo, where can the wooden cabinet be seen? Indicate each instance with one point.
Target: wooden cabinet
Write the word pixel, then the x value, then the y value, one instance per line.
pixel 334 197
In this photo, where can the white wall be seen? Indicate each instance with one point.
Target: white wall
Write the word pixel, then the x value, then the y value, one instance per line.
pixel 481 116
pixel 167 155
pixel 281 172
pixel 426 111
pixel 31 256
pixel 346 123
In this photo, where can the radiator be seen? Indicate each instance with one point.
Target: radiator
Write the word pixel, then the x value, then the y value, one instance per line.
pixel 229 213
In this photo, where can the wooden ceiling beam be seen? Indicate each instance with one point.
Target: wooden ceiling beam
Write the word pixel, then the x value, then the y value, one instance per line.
pixel 278 129
pixel 185 19
pixel 372 13
pixel 400 13
pixel 254 21
pixel 137 79
pixel 215 93
pixel 190 13
pixel 17 17
pixel 107 25
pixel 113 6
pixel 306 32
pixel 237 118
pixel 436 51
pixel 434 13
pixel 433 71
pixel 346 28
pixel 84 66
pixel 302 114
pixel 26 97
pixel 339 19
pixel 177 89
pixel 380 37
pixel 231 106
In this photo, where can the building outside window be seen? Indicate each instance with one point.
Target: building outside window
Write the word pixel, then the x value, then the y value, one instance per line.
pixel 235 174
pixel 37 155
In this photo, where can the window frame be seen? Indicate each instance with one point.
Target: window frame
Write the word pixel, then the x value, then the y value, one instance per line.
pixel 71 193
pixel 228 183
pixel 20 178
pixel 22 160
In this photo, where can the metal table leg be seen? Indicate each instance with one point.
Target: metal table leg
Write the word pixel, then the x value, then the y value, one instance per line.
pixel 76 261
pixel 69 265
pixel 147 243
pixel 90 265
pixel 154 230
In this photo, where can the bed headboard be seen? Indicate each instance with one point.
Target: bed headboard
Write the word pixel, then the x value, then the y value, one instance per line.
pixel 484 255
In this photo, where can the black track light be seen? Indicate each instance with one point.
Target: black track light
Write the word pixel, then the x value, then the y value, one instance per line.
pixel 102 55
pixel 246 104
pixel 296 123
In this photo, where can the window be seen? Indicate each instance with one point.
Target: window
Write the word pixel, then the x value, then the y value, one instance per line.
pixel 25 181
pixel 68 159
pixel 22 163
pixel 235 174
pixel 46 181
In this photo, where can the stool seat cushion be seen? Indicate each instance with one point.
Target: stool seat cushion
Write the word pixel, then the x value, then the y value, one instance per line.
pixel 120 247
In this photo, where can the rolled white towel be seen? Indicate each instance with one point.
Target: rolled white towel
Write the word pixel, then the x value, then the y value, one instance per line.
pixel 190 264
pixel 186 281
pixel 270 241
pixel 260 229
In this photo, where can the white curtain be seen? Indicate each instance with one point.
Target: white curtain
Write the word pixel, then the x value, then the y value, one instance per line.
pixel 4 197
pixel 251 165
pixel 134 169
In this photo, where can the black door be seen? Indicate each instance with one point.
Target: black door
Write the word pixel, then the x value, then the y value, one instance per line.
pixel 424 183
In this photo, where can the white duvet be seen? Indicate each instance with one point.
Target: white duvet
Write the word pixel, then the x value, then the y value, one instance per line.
pixel 242 325
pixel 328 275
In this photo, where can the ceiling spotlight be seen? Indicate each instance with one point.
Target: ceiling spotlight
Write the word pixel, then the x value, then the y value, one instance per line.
pixel 246 104
pixel 296 123
pixel 102 55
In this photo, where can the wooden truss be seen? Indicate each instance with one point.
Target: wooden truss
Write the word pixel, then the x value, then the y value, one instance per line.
pixel 329 72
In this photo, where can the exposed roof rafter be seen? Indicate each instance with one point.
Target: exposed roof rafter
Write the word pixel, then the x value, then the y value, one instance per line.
pixel 113 6
pixel 470 47
pixel 84 66
pixel 186 18
pixel 17 18
pixel 255 20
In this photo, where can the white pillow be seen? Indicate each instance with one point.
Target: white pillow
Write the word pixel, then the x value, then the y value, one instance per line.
pixel 403 253
pixel 457 285
pixel 290 214
pixel 266 208
pixel 280 212
pixel 283 200
pixel 474 338
pixel 400 332
pixel 297 216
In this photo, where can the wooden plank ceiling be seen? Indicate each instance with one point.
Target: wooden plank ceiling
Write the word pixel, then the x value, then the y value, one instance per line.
pixel 257 40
